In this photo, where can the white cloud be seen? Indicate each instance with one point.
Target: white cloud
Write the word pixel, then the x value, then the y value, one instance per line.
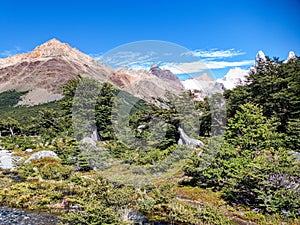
pixel 127 58
pixel 7 53
pixel 215 53
pixel 193 67
pixel 178 64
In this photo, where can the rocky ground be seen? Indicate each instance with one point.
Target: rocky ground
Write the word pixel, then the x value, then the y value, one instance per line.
pixel 14 216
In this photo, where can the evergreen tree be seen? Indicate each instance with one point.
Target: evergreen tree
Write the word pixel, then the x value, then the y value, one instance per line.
pixel 275 86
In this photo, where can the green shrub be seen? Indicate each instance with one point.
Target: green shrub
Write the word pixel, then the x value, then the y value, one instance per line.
pixel 49 169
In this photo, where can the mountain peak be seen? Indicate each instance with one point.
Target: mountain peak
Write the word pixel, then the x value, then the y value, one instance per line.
pixel 162 73
pixel 50 48
pixel 260 57
pixel 43 71
pixel 53 41
pixel 292 55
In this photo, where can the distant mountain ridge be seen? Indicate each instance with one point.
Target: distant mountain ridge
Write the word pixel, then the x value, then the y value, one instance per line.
pixel 44 70
pixel 234 77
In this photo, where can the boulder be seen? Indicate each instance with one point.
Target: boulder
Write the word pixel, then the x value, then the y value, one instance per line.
pixel 42 154
pixel 6 160
pixel 191 142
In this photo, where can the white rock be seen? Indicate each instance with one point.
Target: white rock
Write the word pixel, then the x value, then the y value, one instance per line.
pixel 6 160
pixel 292 55
pixel 260 56
pixel 42 154
pixel 191 142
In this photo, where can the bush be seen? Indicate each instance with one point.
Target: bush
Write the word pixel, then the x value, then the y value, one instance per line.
pixel 252 167
pixel 49 169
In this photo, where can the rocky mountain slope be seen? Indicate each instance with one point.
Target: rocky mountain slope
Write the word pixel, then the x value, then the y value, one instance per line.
pixel 48 66
pixel 45 69
pixel 146 85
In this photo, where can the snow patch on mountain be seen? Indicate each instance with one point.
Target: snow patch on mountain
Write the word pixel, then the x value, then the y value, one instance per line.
pixel 291 56
pixel 260 57
pixel 234 77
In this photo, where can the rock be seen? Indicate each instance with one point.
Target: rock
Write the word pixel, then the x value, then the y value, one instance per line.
pixel 42 154
pixel 28 150
pixel 291 56
pixel 185 139
pixel 140 128
pixel 10 216
pixel 296 155
pixel 6 160
pixel 162 73
pixel 260 57
pixel 89 141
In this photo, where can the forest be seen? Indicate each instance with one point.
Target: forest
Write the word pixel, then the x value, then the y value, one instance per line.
pixel 247 171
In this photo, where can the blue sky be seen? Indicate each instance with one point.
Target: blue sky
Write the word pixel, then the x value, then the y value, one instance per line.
pixel 232 31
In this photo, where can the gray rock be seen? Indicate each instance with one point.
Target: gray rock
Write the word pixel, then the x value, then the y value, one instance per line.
pixel 162 73
pixel 10 216
pixel 6 160
pixel 42 154
pixel 191 142
pixel 296 155
pixel 88 141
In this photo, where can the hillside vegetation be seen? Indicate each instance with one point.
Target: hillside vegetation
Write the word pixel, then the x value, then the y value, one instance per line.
pixel 254 175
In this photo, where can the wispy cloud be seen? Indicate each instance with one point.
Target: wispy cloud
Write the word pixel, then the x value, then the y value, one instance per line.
pixel 178 63
pixel 10 52
pixel 215 53
pixel 196 66
pixel 128 58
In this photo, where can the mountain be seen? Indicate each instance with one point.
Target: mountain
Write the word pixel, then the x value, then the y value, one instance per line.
pixel 237 76
pixel 291 56
pixel 146 85
pixel 44 70
pixel 260 57
pixel 202 86
pixel 163 73
pixel 234 77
